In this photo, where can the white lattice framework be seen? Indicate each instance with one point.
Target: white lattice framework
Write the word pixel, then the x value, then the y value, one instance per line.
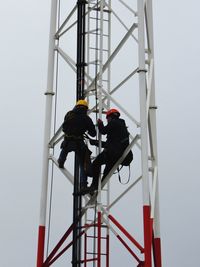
pixel 110 82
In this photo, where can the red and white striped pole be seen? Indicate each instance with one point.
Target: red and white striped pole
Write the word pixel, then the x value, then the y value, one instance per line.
pixel 47 132
pixel 144 135
pixel 157 239
pixel 152 113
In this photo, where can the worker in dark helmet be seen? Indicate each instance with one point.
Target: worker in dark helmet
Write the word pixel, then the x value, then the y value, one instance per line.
pixel 116 143
pixel 76 123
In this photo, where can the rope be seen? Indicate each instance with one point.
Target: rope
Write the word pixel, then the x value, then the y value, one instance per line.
pixel 54 130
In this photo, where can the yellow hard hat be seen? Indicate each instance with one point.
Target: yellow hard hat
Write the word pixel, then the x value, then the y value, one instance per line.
pixel 82 102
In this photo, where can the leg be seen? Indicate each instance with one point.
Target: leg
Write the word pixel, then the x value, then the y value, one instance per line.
pixel 96 167
pixel 108 167
pixel 62 158
pixel 66 146
pixel 81 156
pixel 112 155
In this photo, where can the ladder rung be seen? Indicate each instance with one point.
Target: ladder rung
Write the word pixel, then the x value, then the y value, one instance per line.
pixel 90 206
pixel 98 19
pixel 104 190
pixel 91 253
pixel 92 31
pixel 97 111
pixel 102 226
pixel 95 237
pixel 98 9
pixel 93 63
pixel 94 48
pixel 90 236
pixel 87 260
pixel 105 35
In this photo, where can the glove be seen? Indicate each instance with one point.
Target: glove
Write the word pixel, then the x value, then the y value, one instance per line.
pixel 94 142
pixel 99 121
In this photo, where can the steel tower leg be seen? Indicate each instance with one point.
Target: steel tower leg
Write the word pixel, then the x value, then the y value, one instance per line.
pixel 152 121
pixel 144 134
pixel 100 60
pixel 47 131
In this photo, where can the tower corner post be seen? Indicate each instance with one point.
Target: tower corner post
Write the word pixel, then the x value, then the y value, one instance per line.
pixel 47 132
pixel 144 134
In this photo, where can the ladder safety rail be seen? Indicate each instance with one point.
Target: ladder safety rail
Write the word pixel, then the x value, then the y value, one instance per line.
pixel 98 43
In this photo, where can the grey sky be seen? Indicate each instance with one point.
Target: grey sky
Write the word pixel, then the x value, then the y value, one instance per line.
pixel 24 27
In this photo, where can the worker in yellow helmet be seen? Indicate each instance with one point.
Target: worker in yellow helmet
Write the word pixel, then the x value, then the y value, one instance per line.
pixel 76 124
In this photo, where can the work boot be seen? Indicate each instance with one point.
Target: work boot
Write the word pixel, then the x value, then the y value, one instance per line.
pixel 88 190
pixel 93 187
pixel 83 187
pixel 84 191
pixel 60 164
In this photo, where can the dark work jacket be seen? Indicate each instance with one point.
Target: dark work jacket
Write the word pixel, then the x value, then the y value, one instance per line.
pixel 117 135
pixel 77 122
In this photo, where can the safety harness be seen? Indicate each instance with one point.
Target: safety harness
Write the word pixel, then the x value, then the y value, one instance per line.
pixel 74 137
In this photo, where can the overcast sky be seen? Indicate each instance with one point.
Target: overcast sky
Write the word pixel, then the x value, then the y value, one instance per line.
pixel 24 28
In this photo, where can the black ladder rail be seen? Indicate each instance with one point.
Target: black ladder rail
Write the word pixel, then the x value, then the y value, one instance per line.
pixel 77 200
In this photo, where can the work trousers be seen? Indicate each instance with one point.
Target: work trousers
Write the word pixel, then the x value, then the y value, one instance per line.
pixel 79 147
pixel 108 158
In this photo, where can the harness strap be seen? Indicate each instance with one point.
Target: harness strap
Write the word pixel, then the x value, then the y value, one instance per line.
pixel 74 137
pixel 118 170
pixel 124 140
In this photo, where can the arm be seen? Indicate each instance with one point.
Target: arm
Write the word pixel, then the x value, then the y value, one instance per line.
pixel 91 128
pixel 64 125
pixel 104 129
pixel 95 142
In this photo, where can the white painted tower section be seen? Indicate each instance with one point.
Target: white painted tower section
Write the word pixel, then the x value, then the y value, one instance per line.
pixel 142 125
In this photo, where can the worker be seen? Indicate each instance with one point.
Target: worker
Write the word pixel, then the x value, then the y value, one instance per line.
pixel 76 124
pixel 116 142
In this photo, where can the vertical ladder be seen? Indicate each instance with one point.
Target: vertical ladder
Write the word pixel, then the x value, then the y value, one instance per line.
pixel 95 231
pixel 98 52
